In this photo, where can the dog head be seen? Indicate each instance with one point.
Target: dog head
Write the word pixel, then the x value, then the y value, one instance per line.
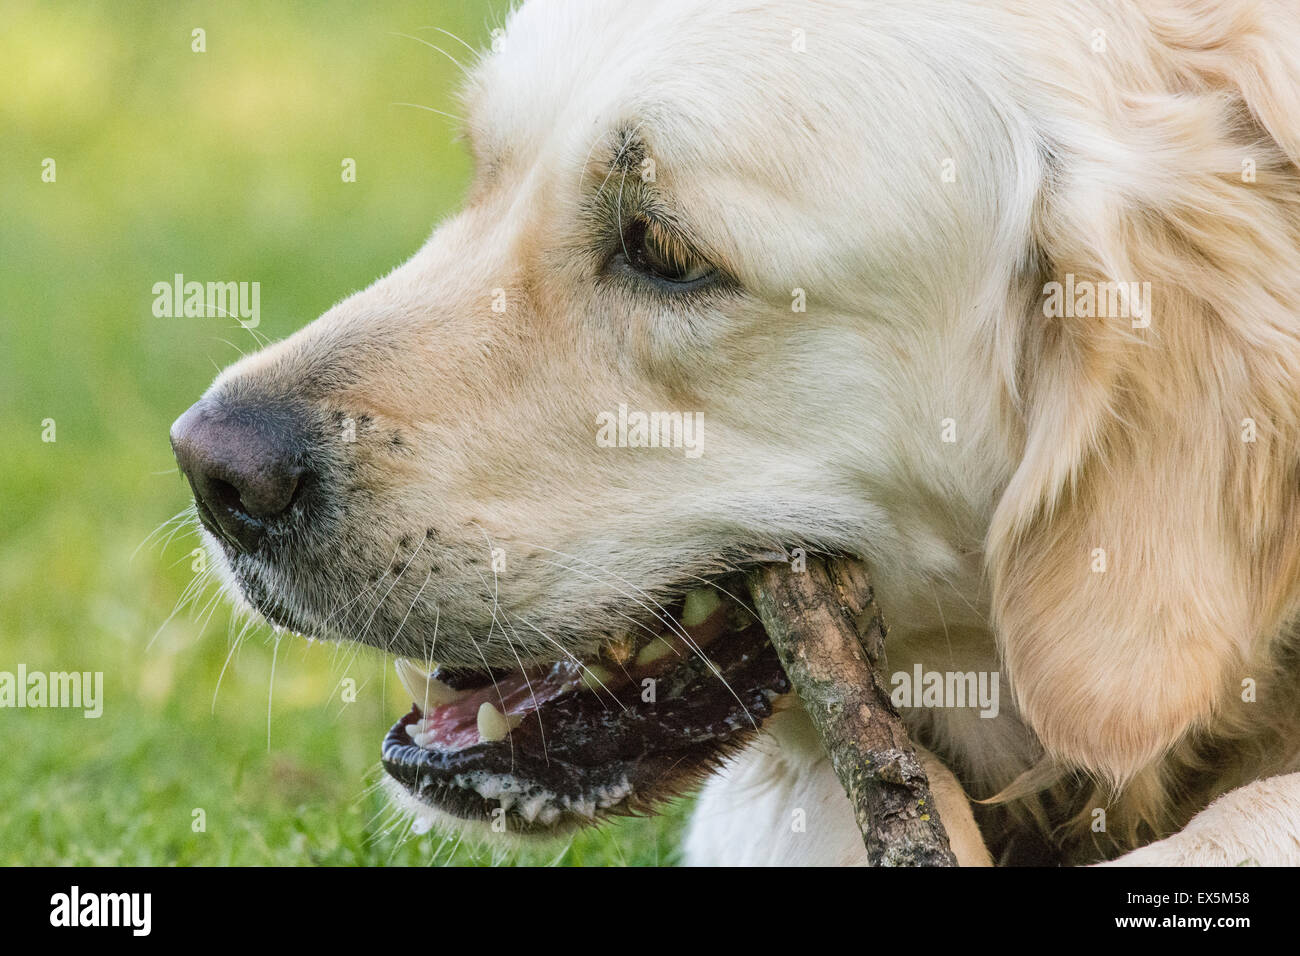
pixel 734 278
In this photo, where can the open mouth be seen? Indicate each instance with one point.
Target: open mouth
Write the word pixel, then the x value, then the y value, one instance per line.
pixel 570 741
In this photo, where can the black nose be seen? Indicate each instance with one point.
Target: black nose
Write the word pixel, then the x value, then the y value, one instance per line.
pixel 244 464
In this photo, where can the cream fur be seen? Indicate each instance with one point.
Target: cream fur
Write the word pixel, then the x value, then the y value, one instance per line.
pixel 821 170
pixel 1254 825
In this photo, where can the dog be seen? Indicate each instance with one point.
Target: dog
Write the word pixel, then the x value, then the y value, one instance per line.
pixel 999 297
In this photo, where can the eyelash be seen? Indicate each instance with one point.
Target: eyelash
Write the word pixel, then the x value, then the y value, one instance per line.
pixel 656 255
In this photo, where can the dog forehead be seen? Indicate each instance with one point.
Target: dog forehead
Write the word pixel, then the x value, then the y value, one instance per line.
pixel 771 89
pixel 585 68
pixel 761 116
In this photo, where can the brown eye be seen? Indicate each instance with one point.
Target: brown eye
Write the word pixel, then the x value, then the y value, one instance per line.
pixel 652 253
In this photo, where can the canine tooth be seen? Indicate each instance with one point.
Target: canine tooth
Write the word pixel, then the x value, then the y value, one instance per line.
pixel 699 606
pixel 656 650
pixel 594 676
pixel 492 724
pixel 422 687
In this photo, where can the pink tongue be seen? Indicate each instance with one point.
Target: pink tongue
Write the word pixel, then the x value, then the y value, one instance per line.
pixel 454 726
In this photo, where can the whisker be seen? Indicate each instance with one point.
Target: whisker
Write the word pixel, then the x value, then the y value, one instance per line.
pixel 362 593
pixel 393 642
pixel 454 37
pixel 433 46
pixel 191 590
pixel 270 691
pixel 234 646
pixel 365 628
pixel 180 517
pixel 430 109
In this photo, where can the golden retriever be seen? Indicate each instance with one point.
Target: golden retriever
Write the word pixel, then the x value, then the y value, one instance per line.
pixel 1002 297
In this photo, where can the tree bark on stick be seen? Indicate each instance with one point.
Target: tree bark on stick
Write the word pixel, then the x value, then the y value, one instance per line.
pixel 830 636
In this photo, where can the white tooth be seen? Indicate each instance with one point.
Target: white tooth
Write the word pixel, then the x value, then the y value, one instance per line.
pixel 492 724
pixel 656 650
pixel 594 676
pixel 699 606
pixel 422 687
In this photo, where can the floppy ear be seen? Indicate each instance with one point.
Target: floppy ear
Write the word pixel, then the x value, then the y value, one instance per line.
pixel 1146 547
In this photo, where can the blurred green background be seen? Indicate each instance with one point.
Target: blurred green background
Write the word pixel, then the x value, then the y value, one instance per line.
pixel 221 165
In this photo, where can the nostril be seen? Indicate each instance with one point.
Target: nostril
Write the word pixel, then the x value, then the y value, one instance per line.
pixel 257 498
pixel 265 495
pixel 223 494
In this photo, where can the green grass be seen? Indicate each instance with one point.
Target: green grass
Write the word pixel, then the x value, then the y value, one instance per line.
pixel 220 165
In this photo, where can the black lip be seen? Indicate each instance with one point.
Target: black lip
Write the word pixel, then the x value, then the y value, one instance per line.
pixel 583 755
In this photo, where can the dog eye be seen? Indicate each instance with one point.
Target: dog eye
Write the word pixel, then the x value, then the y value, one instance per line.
pixel 651 253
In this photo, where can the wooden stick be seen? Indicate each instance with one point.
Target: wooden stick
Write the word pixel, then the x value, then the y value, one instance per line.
pixel 830 636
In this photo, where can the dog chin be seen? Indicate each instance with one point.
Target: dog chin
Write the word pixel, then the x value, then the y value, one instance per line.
pixel 422 818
